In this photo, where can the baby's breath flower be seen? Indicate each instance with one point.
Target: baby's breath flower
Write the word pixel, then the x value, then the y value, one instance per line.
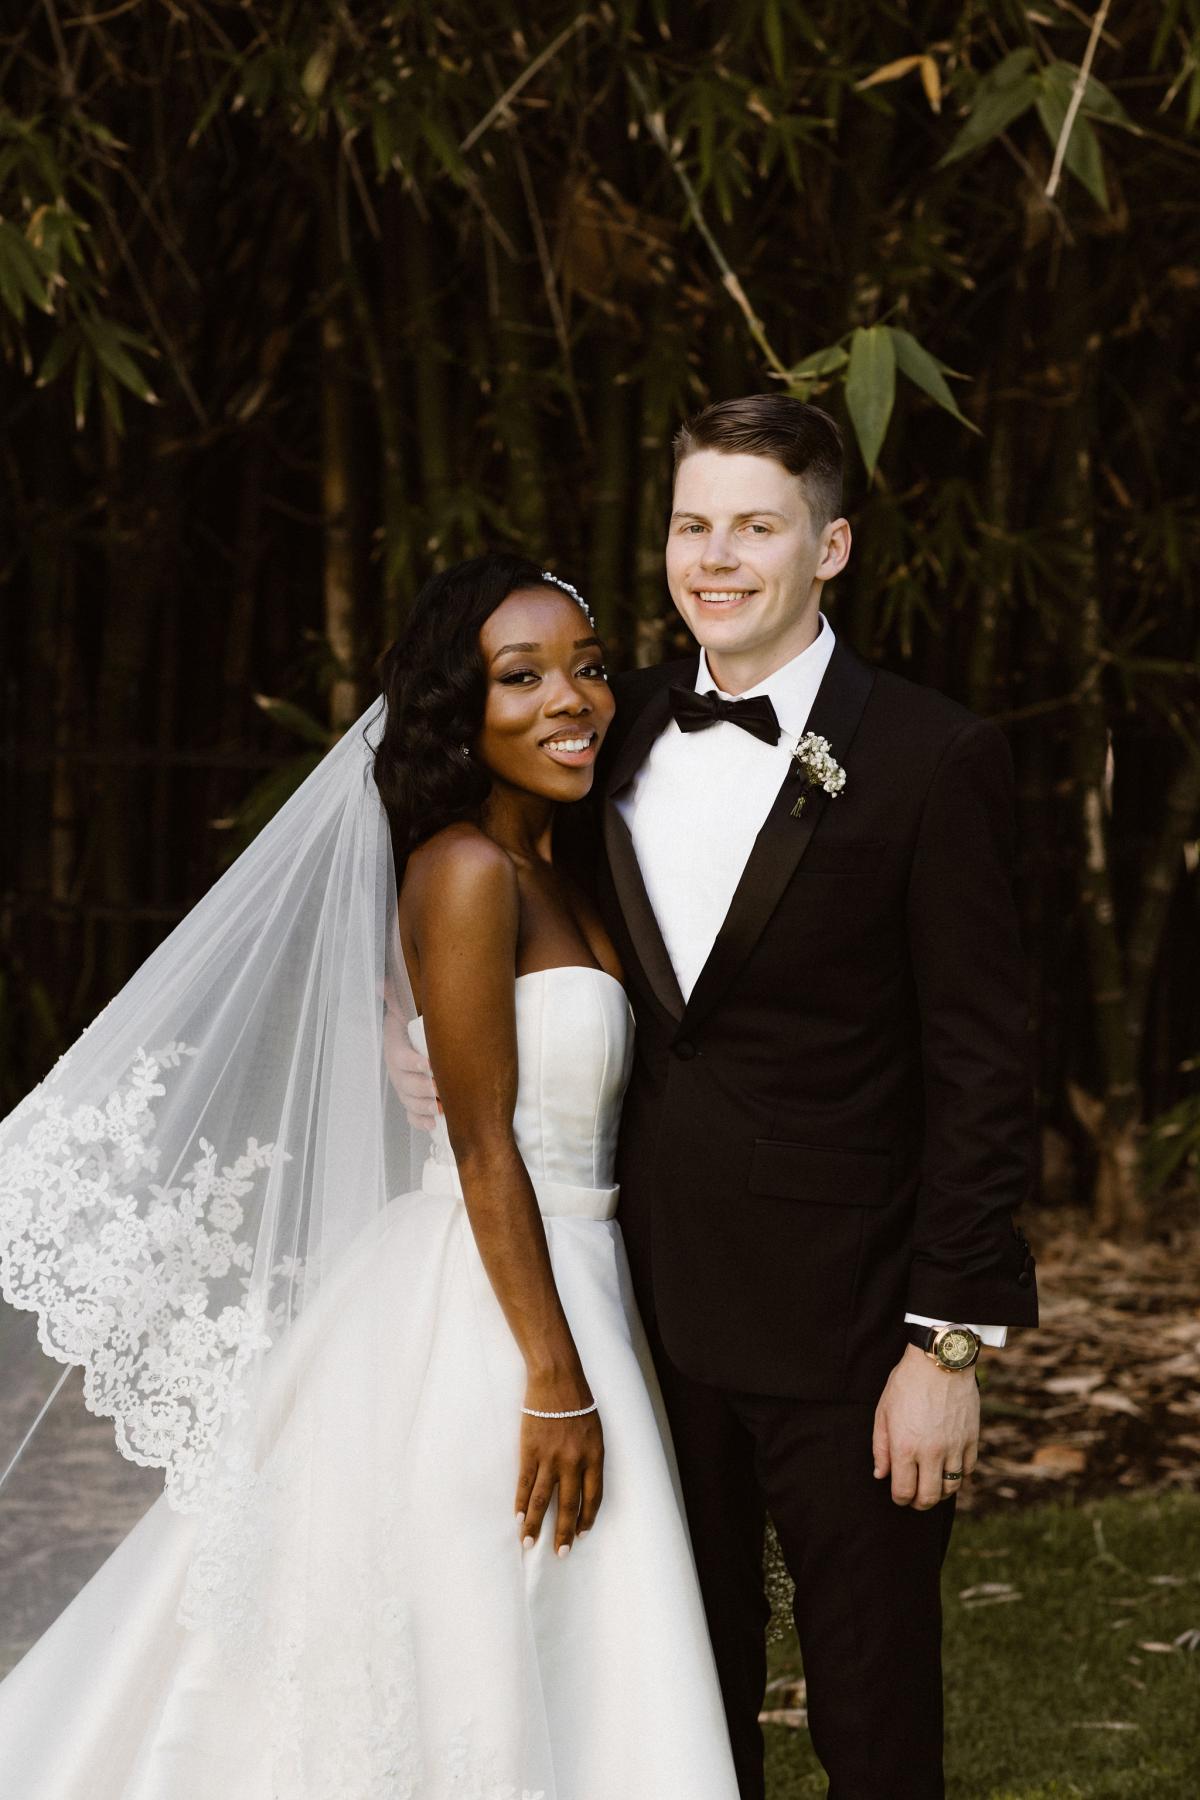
pixel 814 759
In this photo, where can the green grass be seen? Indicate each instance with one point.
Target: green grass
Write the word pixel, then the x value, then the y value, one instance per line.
pixel 1034 1686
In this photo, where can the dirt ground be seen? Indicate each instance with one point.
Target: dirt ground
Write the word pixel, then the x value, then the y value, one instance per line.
pixel 1105 1394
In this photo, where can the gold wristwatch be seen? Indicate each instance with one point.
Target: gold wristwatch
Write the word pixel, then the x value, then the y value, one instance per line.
pixel 951 1347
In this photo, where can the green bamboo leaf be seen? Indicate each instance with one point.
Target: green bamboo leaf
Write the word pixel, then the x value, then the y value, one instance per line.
pixel 821 362
pixel 706 131
pixel 1059 78
pixel 55 359
pixel 81 387
pixel 1103 104
pixel 1162 36
pixel 773 32
pixel 100 132
pixel 293 718
pixel 1003 95
pixel 208 111
pixel 23 270
pixel 871 389
pixel 10 291
pixel 382 141
pixel 445 148
pixel 925 371
pixel 111 399
pixel 1082 155
pixel 318 69
pixel 105 340
pixel 1170 1142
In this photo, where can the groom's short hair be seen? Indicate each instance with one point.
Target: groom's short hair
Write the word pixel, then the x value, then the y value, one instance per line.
pixel 803 437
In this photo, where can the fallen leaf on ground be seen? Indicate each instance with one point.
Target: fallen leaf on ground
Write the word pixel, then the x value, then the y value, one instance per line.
pixel 1112 1400
pixel 1059 1459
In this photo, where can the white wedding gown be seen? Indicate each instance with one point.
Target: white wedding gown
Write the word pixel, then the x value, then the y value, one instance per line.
pixel 374 1629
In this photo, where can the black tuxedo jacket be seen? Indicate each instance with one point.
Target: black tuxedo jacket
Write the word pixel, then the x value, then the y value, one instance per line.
pixel 838 1125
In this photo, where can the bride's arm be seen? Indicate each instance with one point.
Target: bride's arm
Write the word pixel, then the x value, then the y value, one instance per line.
pixel 466 922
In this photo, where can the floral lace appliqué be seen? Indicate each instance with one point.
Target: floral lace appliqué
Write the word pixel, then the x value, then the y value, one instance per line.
pixel 147 1286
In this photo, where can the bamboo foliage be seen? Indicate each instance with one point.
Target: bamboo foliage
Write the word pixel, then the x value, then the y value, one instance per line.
pixel 298 303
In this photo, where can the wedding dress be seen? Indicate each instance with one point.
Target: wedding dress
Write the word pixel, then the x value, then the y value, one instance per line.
pixel 366 1624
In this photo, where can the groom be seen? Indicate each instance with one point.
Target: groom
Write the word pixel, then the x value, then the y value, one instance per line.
pixel 830 1119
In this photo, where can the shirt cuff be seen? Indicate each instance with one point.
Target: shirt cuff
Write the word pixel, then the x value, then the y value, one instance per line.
pixel 995 1336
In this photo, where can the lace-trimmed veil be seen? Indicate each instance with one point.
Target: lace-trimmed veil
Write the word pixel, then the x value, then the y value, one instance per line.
pixel 182 1183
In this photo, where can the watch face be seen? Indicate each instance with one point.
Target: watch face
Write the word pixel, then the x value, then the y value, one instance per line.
pixel 957 1348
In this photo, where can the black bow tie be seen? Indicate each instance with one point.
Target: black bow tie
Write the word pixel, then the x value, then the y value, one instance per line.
pixel 695 712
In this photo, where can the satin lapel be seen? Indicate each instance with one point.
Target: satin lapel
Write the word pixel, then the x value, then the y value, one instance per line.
pixel 782 841
pixel 640 922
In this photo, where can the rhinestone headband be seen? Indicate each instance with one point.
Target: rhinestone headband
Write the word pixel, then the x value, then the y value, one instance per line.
pixel 574 593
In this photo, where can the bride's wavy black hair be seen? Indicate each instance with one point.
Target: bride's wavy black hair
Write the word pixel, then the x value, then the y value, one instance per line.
pixel 435 685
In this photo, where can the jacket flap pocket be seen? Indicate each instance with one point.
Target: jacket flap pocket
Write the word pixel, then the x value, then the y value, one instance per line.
pixel 820 1173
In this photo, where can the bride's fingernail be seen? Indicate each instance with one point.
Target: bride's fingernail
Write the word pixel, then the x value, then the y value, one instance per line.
pixel 520 1518
pixel 582 1532
pixel 564 1549
pixel 527 1543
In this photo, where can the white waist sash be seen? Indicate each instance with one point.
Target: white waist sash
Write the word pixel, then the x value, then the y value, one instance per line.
pixel 556 1199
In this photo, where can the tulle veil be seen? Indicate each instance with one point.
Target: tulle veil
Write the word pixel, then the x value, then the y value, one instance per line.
pixel 203 1161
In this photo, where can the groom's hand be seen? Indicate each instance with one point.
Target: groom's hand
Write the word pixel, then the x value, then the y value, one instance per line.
pixel 410 1076
pixel 927 1421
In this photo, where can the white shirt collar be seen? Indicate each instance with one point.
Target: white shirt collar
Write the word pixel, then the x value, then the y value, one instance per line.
pixel 790 689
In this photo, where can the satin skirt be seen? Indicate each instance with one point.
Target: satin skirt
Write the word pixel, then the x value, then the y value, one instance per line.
pixel 363 1621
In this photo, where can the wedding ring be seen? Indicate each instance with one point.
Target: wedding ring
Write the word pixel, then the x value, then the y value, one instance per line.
pixel 952 1474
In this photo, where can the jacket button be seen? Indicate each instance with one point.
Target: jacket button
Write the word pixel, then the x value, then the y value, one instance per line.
pixel 685 1050
pixel 1024 1278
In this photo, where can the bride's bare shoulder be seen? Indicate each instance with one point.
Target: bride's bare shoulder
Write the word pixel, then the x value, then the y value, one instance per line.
pixel 458 872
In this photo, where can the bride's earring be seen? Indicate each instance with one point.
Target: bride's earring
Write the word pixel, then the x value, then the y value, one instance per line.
pixel 466 750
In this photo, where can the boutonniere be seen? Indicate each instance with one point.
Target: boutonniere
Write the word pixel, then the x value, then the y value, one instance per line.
pixel 813 760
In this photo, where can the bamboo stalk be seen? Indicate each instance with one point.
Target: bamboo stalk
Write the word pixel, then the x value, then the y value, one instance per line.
pixel 608 514
pixel 1112 1117
pixel 517 424
pixel 1076 100
pixel 729 278
pixel 338 485
pixel 426 329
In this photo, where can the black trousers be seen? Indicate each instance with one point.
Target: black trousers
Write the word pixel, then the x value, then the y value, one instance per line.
pixel 867 1575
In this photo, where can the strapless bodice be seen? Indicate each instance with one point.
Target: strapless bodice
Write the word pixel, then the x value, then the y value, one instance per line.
pixel 574 1054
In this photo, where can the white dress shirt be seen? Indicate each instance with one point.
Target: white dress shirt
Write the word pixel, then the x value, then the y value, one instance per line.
pixel 695 807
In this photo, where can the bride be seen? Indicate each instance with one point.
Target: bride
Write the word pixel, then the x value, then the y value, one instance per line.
pixel 422 1535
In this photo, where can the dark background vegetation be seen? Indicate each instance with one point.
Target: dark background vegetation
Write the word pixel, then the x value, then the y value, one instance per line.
pixel 298 302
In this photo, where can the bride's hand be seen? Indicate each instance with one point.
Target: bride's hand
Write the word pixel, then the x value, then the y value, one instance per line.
pixel 563 1453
